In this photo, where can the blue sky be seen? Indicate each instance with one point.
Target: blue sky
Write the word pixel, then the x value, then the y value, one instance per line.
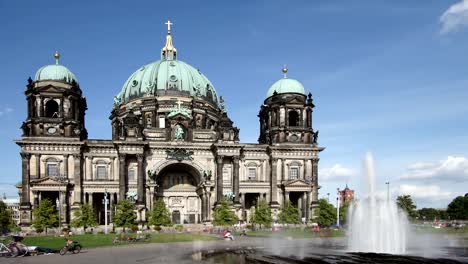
pixel 389 77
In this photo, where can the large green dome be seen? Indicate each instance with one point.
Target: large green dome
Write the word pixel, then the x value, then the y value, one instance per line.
pixel 55 72
pixel 169 75
pixel 286 85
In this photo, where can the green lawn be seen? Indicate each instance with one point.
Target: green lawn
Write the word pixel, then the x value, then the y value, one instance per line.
pixel 100 240
pixel 442 230
pixel 297 233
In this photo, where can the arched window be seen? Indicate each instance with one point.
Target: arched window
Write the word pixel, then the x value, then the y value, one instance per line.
pixel 101 170
pixel 294 170
pixel 51 109
pixel 293 118
pixel 251 171
pixel 52 167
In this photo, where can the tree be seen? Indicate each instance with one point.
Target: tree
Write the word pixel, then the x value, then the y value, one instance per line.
pixel 406 204
pixel 45 216
pixel 458 208
pixel 84 217
pixel 223 215
pixel 344 212
pixel 125 215
pixel 6 222
pixel 262 214
pixel 326 213
pixel 289 214
pixel 159 216
pixel 429 214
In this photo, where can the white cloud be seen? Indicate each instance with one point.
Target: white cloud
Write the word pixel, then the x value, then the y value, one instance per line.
pixel 5 110
pixel 335 173
pixel 431 192
pixel 455 17
pixel 452 168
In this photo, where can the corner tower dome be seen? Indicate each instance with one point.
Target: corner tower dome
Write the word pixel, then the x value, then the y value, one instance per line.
pixel 55 72
pixel 286 85
pixel 167 76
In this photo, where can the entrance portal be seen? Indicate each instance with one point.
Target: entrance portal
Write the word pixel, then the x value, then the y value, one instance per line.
pixel 178 188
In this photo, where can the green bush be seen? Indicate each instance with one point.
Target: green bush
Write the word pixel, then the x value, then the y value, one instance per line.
pixel 179 227
pixel 100 232
pixel 157 228
pixel 134 228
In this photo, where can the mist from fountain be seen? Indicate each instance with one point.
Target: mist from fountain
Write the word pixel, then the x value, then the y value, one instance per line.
pixel 375 222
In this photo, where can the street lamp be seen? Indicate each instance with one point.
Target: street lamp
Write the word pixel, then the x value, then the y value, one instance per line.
pixel 338 208
pixel 388 191
pixel 328 197
pixel 105 210
pixel 57 203
pixel 60 179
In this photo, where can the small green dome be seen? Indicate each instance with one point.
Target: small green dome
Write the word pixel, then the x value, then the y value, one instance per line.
pixel 55 72
pixel 286 86
pixel 170 75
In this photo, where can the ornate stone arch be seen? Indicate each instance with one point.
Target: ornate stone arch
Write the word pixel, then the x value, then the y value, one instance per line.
pixel 158 167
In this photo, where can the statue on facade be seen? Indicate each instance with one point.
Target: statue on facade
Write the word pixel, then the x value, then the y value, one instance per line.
pixel 315 137
pixel 207 175
pixel 179 132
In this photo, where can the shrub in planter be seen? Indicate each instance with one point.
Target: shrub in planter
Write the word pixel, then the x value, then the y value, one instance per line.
pixel 134 228
pixel 179 227
pixel 157 228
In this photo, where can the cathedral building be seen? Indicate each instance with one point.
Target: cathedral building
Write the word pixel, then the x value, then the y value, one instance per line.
pixel 172 139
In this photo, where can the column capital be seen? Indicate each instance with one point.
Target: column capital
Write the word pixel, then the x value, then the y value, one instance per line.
pixel 235 159
pixel 122 157
pixel 140 157
pixel 25 155
pixel 274 160
pixel 219 159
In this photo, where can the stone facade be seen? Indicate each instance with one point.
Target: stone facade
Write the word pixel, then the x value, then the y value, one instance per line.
pixel 170 144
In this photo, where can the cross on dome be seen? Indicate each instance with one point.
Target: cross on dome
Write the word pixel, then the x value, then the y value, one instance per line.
pixel 169 24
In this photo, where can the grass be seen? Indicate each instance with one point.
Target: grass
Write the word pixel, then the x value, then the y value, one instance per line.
pixel 101 240
pixel 442 230
pixel 298 233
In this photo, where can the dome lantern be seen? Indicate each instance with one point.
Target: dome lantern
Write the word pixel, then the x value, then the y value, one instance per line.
pixel 169 52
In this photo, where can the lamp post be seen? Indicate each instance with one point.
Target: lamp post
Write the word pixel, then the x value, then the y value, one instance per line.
pixel 61 179
pixel 338 208
pixel 57 204
pixel 328 197
pixel 105 210
pixel 388 191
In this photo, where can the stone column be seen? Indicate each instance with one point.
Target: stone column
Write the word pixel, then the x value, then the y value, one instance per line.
pixel 77 178
pixel 38 166
pixel 235 161
pixel 111 203
pixel 112 164
pixel 90 199
pixel 65 165
pixel 307 206
pixel 219 178
pixel 63 206
pixel 25 201
pixel 274 183
pixel 141 180
pixel 36 199
pixel 283 174
pixel 122 177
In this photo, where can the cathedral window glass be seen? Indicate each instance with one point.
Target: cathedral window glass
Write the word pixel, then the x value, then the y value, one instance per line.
pixel 101 172
pixel 131 174
pixel 52 169
pixel 252 174
pixel 293 173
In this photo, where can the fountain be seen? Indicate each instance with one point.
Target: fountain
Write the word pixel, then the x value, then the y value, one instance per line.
pixel 375 223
